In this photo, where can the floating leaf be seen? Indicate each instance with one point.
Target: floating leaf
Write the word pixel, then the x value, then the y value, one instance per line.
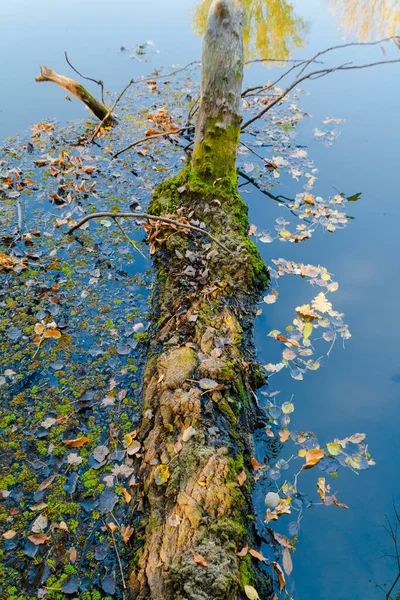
pixel 313 457
pixel 257 555
pixel 287 561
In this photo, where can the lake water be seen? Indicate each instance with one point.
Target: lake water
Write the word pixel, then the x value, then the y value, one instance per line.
pixel 359 388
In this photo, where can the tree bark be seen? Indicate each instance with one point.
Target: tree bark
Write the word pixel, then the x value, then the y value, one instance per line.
pixel 77 90
pixel 199 403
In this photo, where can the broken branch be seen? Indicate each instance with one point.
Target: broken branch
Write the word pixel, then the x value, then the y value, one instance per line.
pixel 149 137
pixel 147 217
pixel 77 90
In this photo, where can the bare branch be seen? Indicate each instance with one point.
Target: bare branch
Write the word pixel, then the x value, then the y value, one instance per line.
pixel 147 217
pixel 99 82
pixel 149 137
pixel 111 110
pixel 313 75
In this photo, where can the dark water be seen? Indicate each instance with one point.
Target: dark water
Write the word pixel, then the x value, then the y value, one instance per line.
pixel 359 389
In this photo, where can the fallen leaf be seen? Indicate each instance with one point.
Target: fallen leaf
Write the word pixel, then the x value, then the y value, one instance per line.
pixel 62 525
pixel 255 464
pixel 8 535
pixel 126 532
pixel 77 442
pixel 281 576
pixel 199 559
pixel 39 524
pixel 46 483
pixel 257 555
pixel 337 503
pixel 161 474
pixel 72 554
pixel 313 457
pixel 321 303
pixel 127 495
pixel 251 592
pixel 40 538
pixel 243 551
pixel 52 333
pixel 242 478
pixel 287 561
pixel 112 526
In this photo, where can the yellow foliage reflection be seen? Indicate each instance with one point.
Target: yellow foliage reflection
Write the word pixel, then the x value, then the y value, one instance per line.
pixel 272 28
pixel 367 19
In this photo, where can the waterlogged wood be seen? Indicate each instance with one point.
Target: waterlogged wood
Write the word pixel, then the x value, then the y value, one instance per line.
pixel 77 90
pixel 199 404
pixel 218 125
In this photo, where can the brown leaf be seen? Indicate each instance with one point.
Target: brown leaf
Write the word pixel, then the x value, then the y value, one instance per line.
pixel 313 457
pixel 63 526
pixel 199 559
pixel 112 526
pixel 8 535
pixel 337 503
pixel 284 435
pixel 281 576
pixel 72 554
pixel 46 483
pixel 126 533
pixel 257 555
pixel 243 551
pixel 40 538
pixel 281 539
pixel 256 465
pixel 52 333
pixel 77 442
pixel 242 478
pixel 287 561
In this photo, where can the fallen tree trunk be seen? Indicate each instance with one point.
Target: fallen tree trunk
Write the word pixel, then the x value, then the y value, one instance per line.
pixel 77 90
pixel 199 403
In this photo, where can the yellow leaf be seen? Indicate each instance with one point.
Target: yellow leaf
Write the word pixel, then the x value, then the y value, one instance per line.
pixel 307 330
pixel 251 592
pixel 161 474
pixel 334 449
pixel 285 234
pixel 127 495
pixel 52 333
pixel 302 452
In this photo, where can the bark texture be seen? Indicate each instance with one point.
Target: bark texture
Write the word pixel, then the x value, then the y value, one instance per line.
pixel 196 441
pixel 77 90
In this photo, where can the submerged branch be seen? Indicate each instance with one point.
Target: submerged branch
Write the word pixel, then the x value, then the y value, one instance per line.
pixel 116 215
pixel 149 137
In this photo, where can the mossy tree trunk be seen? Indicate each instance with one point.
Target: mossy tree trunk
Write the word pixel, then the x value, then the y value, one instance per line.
pixel 195 441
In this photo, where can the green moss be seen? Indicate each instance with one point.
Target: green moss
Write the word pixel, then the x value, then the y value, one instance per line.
pixel 215 156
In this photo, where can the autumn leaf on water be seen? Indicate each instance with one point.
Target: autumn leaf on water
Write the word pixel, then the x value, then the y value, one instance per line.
pixel 77 442
pixel 321 303
pixel 322 488
pixel 257 555
pixel 287 561
pixel 255 464
pixel 281 576
pixel 199 559
pixel 313 457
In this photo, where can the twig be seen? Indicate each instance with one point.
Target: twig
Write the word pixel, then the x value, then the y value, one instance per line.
pixel 99 126
pixel 128 238
pixel 268 162
pixel 147 217
pixel 118 558
pixel 149 137
pixel 99 82
pixel 313 75
pixel 279 60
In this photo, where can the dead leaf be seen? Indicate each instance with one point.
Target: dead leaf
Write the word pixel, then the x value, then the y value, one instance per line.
pixel 40 538
pixel 257 555
pixel 126 532
pixel 72 554
pixel 243 551
pixel 127 495
pixel 281 576
pixel 251 592
pixel 242 478
pixel 199 559
pixel 77 442
pixel 8 535
pixel 337 503
pixel 321 303
pixel 255 464
pixel 313 457
pixel 287 561
pixel 52 333
pixel 62 525
pixel 112 526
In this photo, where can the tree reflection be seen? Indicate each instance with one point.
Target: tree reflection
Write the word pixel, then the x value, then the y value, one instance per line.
pixel 367 19
pixel 272 29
